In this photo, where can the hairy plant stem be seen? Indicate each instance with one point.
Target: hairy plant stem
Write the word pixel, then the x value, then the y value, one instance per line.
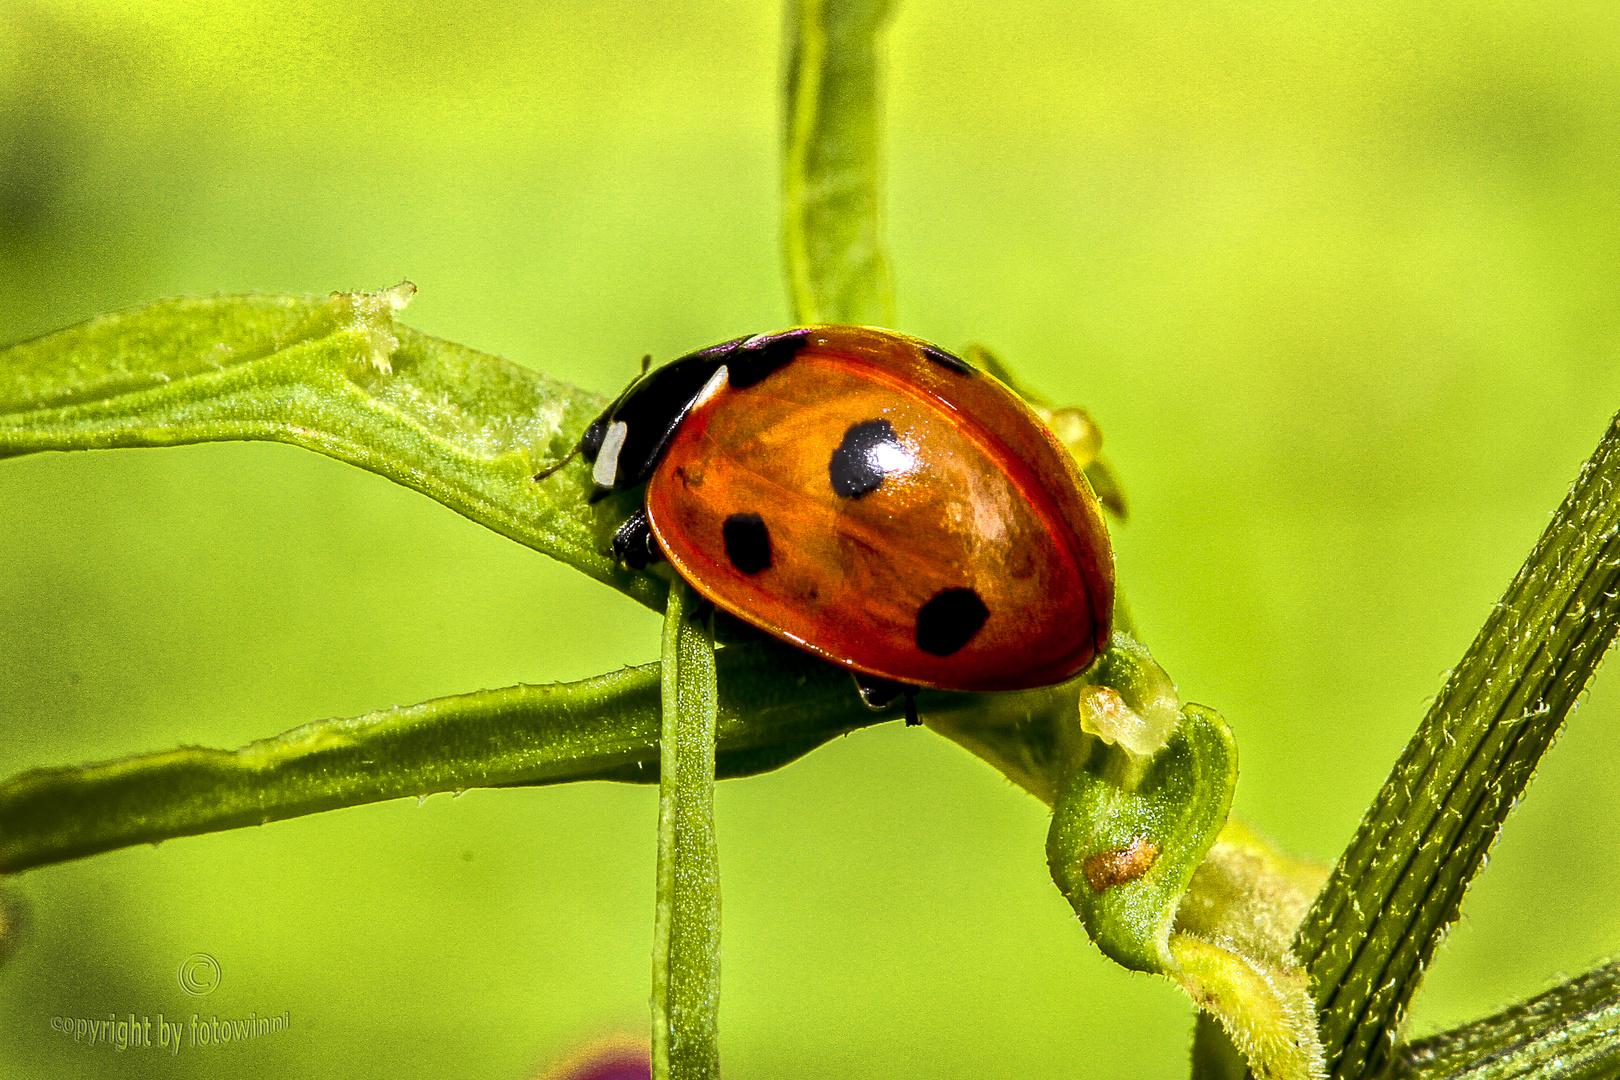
pixel 1572 1032
pixel 1399 884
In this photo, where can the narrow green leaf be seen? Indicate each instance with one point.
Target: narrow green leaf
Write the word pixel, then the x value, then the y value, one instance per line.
pixel 335 375
pixel 1572 1032
pixel 686 932
pixel 832 232
pixel 1399 884
pixel 776 704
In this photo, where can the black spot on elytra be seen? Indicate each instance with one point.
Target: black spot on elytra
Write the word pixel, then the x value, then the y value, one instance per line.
pixel 855 468
pixel 949 621
pixel 752 363
pixel 748 542
pixel 945 359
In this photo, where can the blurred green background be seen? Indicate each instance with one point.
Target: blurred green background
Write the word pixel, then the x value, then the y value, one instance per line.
pixel 1341 283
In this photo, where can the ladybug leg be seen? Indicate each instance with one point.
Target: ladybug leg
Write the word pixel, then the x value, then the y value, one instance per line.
pixel 634 544
pixel 876 693
pixel 879 693
pixel 556 466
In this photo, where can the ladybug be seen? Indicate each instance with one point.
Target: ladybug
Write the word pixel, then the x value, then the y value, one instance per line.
pixel 870 498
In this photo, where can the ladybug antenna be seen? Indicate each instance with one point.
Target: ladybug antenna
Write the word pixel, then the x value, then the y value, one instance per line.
pixel 543 473
pixel 646 362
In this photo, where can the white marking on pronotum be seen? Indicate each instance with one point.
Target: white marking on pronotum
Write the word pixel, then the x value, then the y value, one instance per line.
pixel 607 459
pixel 712 387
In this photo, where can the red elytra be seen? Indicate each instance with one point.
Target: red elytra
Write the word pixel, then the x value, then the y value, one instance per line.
pixel 872 499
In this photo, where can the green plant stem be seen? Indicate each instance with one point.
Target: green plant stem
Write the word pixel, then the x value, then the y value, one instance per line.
pixel 686 931
pixel 1572 1032
pixel 777 704
pixel 832 233
pixel 1399 884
